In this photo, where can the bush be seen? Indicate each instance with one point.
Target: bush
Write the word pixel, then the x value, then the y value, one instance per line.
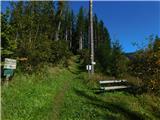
pixel 146 66
pixel 118 62
pixel 44 52
pixel 119 66
pixel 59 52
pixel 37 54
pixel 85 57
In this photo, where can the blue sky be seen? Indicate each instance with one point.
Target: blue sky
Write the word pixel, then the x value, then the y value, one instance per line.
pixel 126 21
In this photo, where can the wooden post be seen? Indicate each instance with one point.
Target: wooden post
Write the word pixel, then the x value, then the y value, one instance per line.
pixel 91 37
pixel 7 79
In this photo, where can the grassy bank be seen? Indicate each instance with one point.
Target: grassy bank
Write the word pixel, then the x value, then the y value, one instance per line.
pixel 31 96
pixel 83 104
pixel 63 94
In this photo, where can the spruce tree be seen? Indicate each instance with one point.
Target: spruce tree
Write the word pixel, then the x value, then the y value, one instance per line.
pixel 80 28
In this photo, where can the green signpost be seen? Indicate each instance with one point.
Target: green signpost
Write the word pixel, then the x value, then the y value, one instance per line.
pixel 8 72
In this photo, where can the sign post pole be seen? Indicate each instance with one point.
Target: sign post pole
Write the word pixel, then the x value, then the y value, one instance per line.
pixel 89 68
pixel 7 79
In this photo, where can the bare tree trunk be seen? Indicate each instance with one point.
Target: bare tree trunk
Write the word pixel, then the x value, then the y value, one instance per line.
pixel 37 32
pixel 98 38
pixel 95 38
pixel 91 37
pixel 57 33
pixel 16 37
pixel 59 26
pixel 70 40
pixel 80 42
pixel 30 37
pixel 66 35
pixel 29 43
pixel 89 46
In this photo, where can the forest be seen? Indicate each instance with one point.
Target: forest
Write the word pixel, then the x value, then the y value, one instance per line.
pixel 48 39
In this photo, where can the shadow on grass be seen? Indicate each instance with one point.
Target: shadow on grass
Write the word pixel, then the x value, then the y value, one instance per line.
pixel 74 72
pixel 101 91
pixel 77 69
pixel 114 108
pixel 133 90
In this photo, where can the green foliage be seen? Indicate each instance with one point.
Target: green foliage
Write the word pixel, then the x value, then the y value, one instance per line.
pixel 102 47
pixel 8 45
pixel 35 31
pixel 80 22
pixel 60 51
pixel 103 56
pixel 78 41
pixel 85 57
pixel 156 45
pixel 146 66
pixel 118 61
pixel 111 60
pixel 34 25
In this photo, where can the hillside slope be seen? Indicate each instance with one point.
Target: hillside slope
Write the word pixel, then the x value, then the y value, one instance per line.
pixel 62 94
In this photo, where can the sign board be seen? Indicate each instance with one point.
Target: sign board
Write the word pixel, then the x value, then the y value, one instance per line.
pixel 8 72
pixel 88 67
pixel 93 63
pixel 10 63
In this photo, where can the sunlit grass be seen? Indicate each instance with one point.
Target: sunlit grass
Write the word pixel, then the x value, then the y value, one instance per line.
pixel 35 97
pixel 31 96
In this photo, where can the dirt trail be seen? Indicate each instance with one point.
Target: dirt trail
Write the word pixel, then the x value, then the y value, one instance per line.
pixel 59 97
pixel 58 101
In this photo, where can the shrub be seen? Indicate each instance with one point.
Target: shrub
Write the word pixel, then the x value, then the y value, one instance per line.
pixel 85 57
pixel 146 66
pixel 118 62
pixel 59 52
pixel 44 52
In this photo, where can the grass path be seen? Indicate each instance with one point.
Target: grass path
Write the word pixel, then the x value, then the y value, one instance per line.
pixel 58 101
pixel 59 98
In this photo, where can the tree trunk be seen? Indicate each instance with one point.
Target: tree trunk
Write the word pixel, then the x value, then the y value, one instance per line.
pixel 89 46
pixel 59 26
pixel 80 42
pixel 70 39
pixel 37 31
pixel 66 35
pixel 57 33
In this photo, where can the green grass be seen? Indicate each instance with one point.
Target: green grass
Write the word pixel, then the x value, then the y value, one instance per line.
pixel 30 97
pixel 82 104
pixel 63 94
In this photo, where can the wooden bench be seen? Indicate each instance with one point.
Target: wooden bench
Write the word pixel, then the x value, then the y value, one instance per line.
pixel 104 85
